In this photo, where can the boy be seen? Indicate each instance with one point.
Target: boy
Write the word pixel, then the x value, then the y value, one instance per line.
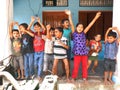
pixel 48 56
pixel 111 48
pixel 38 45
pixel 68 28
pixel 16 50
pixel 95 47
pixel 27 50
pixel 60 51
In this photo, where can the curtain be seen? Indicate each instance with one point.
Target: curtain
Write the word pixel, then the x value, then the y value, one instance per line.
pixel 6 16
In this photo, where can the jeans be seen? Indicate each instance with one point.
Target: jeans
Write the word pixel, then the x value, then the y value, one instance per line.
pixel 28 64
pixel 38 62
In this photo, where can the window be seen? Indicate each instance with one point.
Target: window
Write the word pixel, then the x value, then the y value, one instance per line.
pixel 96 3
pixel 50 3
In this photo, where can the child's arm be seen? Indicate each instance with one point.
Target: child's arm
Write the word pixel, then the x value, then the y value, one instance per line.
pixel 29 32
pixel 11 27
pixel 31 23
pixel 68 12
pixel 48 31
pixel 63 45
pixel 92 22
pixel 43 27
pixel 10 30
pixel 107 33
pixel 117 30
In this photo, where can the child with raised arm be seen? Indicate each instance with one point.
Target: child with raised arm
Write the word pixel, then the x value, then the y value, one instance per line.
pixel 68 28
pixel 111 49
pixel 38 45
pixel 16 50
pixel 95 47
pixel 79 48
pixel 48 56
pixel 27 50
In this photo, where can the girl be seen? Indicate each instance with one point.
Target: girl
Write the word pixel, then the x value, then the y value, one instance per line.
pixel 79 48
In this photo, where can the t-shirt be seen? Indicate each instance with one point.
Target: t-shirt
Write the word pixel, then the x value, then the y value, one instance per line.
pixel 111 50
pixel 38 43
pixel 49 45
pixel 59 51
pixel 94 46
pixel 27 44
pixel 79 43
pixel 67 34
pixel 16 46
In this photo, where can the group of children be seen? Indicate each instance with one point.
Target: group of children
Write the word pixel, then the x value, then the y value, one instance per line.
pixel 36 51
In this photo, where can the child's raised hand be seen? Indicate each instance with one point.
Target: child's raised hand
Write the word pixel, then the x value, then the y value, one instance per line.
pixel 32 18
pixel 68 12
pixel 48 27
pixel 38 19
pixel 98 14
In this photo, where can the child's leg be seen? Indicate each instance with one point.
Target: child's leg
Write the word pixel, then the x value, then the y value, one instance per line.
pixel 45 64
pixel 22 73
pixel 76 66
pixel 84 60
pixel 89 63
pixel 54 68
pixel 95 65
pixel 66 68
pixel 106 77
pixel 110 77
pixel 40 64
pixel 21 67
pixel 18 71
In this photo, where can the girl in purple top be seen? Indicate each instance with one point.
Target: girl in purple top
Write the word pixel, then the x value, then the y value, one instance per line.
pixel 79 48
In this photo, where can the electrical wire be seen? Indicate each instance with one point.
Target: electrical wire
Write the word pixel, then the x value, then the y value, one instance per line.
pixel 36 14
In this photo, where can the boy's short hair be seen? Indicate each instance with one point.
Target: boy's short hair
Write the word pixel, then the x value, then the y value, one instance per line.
pixel 79 24
pixel 15 30
pixel 52 29
pixel 64 20
pixel 113 34
pixel 25 25
pixel 36 23
pixel 60 29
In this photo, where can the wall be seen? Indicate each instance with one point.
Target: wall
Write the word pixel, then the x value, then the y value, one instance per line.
pixel 23 12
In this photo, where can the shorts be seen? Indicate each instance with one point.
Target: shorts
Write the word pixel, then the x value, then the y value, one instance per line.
pixel 92 58
pixel 109 65
pixel 18 62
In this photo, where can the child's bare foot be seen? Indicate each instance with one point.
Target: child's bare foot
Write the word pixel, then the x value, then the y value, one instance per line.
pixel 111 82
pixel 85 81
pixel 68 80
pixel 72 80
pixel 106 82
pixel 93 71
pixel 40 79
pixel 18 77
pixel 22 77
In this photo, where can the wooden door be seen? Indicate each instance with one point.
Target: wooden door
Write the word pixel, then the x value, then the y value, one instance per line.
pixel 54 18
pixel 100 26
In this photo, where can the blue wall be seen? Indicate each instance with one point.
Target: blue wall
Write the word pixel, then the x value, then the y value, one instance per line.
pixel 23 13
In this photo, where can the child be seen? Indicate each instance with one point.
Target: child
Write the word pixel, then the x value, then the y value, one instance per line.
pixel 48 56
pixel 79 48
pixel 27 50
pixel 16 50
pixel 111 48
pixel 60 51
pixel 38 45
pixel 68 28
pixel 95 47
